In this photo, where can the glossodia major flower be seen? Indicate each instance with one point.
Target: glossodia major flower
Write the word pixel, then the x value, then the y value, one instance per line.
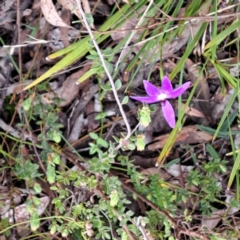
pixel 156 94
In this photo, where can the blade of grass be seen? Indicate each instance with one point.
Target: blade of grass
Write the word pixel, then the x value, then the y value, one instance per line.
pixel 212 152
pixel 214 30
pixel 233 173
pixel 224 74
pixel 66 61
pixel 188 51
pixel 79 49
pixel 227 109
pixel 234 170
pixel 229 121
pixel 212 131
pixel 154 40
pixel 223 34
pixel 114 21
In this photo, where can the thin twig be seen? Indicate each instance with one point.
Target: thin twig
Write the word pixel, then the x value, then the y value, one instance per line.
pixel 139 226
pixel 132 34
pixel 105 68
pixel 19 42
pixel 206 18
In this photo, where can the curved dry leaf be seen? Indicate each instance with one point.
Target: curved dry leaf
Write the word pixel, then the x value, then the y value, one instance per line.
pixel 177 169
pixel 70 5
pixel 192 111
pixel 161 173
pixel 76 129
pixel 51 14
pixel 69 89
pixel 212 221
pixel 66 17
pixel 187 135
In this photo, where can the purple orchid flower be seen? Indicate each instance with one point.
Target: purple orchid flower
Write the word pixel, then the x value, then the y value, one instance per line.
pixel 161 95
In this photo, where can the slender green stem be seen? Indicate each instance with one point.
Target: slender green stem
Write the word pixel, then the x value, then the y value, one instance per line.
pixel 105 68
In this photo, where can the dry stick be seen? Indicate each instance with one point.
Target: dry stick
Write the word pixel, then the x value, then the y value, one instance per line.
pixel 19 42
pixel 105 68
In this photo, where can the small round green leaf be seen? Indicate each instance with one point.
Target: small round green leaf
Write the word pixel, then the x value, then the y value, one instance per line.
pixel 55 158
pixel 27 104
pixel 37 188
pixel 118 84
pixel 51 174
pixel 56 136
pixel 93 135
pixel 102 142
pixel 106 87
pixel 89 18
pixel 125 100
pixel 114 198
pixel 140 142
pixel 34 221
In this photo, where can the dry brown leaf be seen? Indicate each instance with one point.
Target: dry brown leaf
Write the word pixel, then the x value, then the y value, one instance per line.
pixel 69 90
pixel 91 114
pixel 161 173
pixel 51 14
pixel 202 90
pixel 143 162
pixel 76 129
pixel 188 135
pixel 72 6
pixel 66 17
pixel 212 221
pixel 192 111
pixel 177 169
pixel 17 88
pixel 3 238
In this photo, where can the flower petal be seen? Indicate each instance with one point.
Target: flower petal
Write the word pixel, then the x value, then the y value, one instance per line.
pixel 148 100
pixel 179 91
pixel 168 113
pixel 166 85
pixel 151 89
